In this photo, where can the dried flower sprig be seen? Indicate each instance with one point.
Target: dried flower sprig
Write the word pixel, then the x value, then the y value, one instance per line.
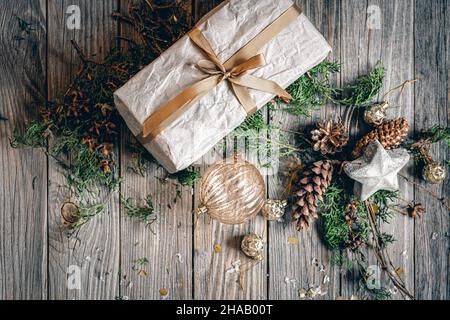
pixel 84 122
pixel 420 147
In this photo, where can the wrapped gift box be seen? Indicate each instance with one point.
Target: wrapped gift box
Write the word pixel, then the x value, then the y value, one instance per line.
pixel 288 55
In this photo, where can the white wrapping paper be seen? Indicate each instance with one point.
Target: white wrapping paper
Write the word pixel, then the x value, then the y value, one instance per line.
pixel 295 50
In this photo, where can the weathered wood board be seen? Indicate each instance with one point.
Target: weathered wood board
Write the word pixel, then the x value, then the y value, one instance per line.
pixel 214 275
pixel 432 99
pixel 410 37
pixel 23 173
pixel 94 251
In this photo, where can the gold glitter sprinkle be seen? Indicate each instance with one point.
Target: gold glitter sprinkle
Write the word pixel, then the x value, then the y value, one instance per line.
pixel 163 292
pixel 375 208
pixel 302 293
pixel 399 271
pixel 217 248
pixel 142 273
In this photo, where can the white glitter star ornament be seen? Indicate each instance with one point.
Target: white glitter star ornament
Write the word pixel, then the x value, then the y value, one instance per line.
pixel 376 170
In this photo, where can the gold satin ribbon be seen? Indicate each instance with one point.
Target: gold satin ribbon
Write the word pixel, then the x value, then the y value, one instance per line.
pixel 234 70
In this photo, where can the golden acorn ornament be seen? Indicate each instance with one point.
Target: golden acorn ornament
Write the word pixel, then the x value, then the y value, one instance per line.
pixel 376 114
pixel 273 210
pixel 434 173
pixel 253 246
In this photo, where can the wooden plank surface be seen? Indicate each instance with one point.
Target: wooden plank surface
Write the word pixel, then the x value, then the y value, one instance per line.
pixel 23 173
pixel 294 266
pixel 167 243
pixel 392 45
pixel 356 60
pixel 432 95
pixel 95 249
pixel 35 252
pixel 213 278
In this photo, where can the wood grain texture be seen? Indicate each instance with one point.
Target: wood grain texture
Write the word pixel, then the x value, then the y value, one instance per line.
pixel 95 249
pixel 355 61
pixel 432 65
pixel 392 45
pixel 362 47
pixel 212 276
pixel 167 243
pixel 23 173
pixel 295 266
pixel 35 252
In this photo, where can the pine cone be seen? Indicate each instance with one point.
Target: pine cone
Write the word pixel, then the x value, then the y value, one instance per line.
pixel 330 137
pixel 416 210
pixel 316 179
pixel 354 241
pixel 390 134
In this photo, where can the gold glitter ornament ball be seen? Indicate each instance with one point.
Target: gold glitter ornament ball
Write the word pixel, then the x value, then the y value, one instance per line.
pixel 273 210
pixel 376 114
pixel 434 173
pixel 232 191
pixel 253 246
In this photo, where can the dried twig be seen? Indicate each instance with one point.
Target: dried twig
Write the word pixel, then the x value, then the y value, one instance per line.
pixel 442 200
pixel 382 256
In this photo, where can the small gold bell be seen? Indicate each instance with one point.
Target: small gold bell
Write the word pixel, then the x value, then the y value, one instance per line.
pixel 253 245
pixel 376 114
pixel 273 210
pixel 434 173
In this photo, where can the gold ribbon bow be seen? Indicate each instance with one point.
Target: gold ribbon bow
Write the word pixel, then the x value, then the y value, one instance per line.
pixel 235 71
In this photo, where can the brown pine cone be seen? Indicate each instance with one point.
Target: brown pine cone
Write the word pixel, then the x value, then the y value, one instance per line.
pixel 390 134
pixel 416 210
pixel 315 180
pixel 329 137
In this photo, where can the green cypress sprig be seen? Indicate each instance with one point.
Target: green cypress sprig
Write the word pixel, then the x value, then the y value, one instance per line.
pixel 437 134
pixel 266 141
pixel 255 122
pixel 343 227
pixel 313 90
pixel 186 177
pixel 365 88
pixel 420 147
pixel 384 201
pixel 145 214
pixel 141 159
pixel 35 136
pixel 86 212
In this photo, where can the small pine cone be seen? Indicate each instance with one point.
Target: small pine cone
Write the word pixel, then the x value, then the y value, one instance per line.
pixel 416 210
pixel 330 137
pixel 390 134
pixel 315 180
